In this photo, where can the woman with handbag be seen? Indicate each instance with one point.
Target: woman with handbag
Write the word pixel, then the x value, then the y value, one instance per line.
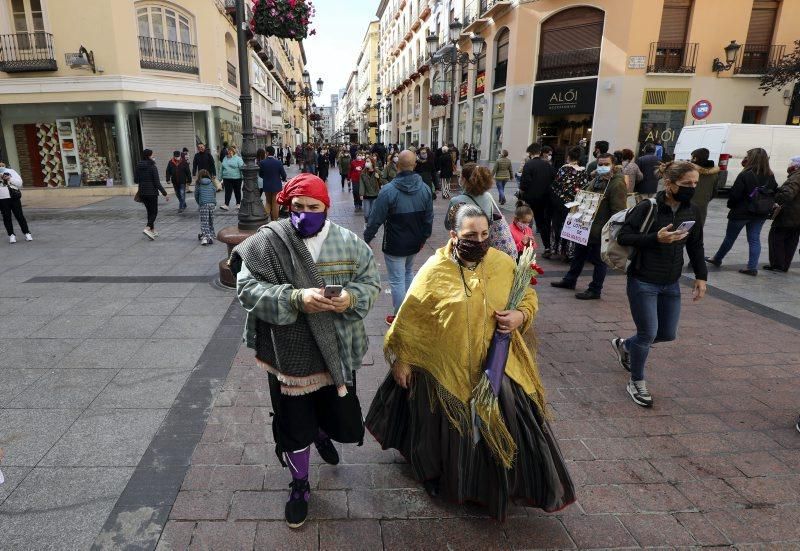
pixel 750 202
pixel 477 181
pixel 11 203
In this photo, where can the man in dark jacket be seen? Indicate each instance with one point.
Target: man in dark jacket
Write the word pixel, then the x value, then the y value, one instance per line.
pixel 648 164
pixel 600 148
pixel 785 231
pixel 612 185
pixel 180 176
pixel 204 160
pixel 535 187
pixel 405 208
pixel 272 175
pixel 146 175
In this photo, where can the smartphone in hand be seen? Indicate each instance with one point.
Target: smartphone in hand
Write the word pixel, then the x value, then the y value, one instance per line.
pixel 332 291
pixel 686 226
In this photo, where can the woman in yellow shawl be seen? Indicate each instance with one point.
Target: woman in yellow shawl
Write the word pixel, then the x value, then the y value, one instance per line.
pixel 437 347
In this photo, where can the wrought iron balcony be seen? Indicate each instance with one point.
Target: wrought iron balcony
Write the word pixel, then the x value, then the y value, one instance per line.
pixel 671 57
pixel 167 55
pixel 232 74
pixel 27 52
pixel 757 59
pixel 569 64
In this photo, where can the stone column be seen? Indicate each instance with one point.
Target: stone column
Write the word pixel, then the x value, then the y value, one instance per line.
pixel 123 142
pixel 211 130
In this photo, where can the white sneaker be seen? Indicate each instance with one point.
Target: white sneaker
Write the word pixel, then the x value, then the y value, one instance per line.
pixel 155 232
pixel 12 238
pixel 224 207
pixel 28 237
pixel 150 235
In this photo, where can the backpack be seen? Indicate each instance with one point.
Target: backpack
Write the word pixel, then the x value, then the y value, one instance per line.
pixel 611 252
pixel 761 201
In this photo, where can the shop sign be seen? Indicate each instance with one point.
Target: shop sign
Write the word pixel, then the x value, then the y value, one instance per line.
pixel 480 83
pixel 701 109
pixel 564 98
pixel 637 62
pixel 463 91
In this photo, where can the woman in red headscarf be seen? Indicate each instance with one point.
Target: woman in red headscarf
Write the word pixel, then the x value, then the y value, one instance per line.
pixel 307 285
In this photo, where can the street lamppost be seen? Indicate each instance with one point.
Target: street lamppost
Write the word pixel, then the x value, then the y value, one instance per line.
pixel 306 92
pixel 450 58
pixel 251 211
pixel 377 107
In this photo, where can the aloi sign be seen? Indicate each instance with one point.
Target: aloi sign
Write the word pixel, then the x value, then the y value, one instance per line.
pixel 574 97
pixel 701 109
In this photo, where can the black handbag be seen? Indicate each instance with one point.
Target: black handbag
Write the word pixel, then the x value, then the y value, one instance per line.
pixel 14 192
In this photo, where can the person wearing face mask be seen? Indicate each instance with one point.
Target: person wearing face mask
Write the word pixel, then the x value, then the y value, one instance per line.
pixel 323 164
pixel 344 160
pixel 437 346
pixel 785 231
pixel 370 185
pixel 426 168
pixel 601 147
pixel 179 175
pixel 536 188
pixel 656 266
pixel 356 169
pixel 309 337
pixel 390 169
pixel 612 185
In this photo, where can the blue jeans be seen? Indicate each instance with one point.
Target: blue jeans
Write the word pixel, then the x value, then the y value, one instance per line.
pixel 180 193
pixel 501 189
pixel 367 205
pixel 733 230
pixel 656 310
pixel 591 253
pixel 401 273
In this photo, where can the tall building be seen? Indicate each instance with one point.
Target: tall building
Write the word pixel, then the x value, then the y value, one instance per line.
pixel 367 86
pixel 551 71
pixel 83 91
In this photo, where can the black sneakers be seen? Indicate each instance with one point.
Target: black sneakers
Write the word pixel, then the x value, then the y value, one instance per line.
pixel 563 284
pixel 297 506
pixel 640 394
pixel 327 451
pixel 588 294
pixel 623 356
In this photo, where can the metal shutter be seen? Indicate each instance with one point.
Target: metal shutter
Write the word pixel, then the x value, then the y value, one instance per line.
pixel 164 132
pixel 762 22
pixel 675 21
pixel 572 29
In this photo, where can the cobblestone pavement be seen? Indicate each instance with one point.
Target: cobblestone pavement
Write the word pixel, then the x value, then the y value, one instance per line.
pixel 186 461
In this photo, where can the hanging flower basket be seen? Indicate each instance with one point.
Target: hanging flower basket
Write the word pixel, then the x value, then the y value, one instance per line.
pixel 439 99
pixel 283 18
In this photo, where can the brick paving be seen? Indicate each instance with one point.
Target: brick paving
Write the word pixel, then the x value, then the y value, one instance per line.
pixel 715 463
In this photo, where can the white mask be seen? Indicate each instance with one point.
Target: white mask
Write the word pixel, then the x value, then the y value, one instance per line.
pixel 395 159
pixel 368 165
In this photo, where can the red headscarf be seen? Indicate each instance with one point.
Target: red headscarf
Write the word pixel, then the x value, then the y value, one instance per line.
pixel 304 185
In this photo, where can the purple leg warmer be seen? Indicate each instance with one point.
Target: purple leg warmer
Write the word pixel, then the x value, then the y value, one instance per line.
pixel 298 465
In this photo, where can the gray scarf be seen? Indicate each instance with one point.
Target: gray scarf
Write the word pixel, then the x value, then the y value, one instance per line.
pixel 275 254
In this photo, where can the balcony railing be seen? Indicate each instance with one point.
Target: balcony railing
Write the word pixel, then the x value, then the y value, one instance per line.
pixel 27 52
pixel 569 64
pixel 167 55
pixel 232 74
pixel 757 59
pixel 677 58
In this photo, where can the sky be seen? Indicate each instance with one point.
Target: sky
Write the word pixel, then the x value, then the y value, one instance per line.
pixel 333 51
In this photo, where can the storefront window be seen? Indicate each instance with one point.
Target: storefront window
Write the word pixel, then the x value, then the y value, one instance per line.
pixel 462 123
pixel 498 108
pixel 661 127
pixel 477 124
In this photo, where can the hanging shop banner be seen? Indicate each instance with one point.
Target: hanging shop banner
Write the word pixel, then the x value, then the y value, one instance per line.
pixel 463 91
pixel 565 98
pixel 578 224
pixel 480 83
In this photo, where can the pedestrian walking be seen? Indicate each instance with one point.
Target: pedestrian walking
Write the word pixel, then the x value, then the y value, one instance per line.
pixel 344 162
pixel 405 208
pixel 784 234
pixel 299 156
pixel 536 189
pixel 601 147
pixel 425 407
pixel 11 204
pixel 323 164
pixel 310 159
pixel 631 171
pixel 476 181
pixel 204 160
pixel 751 200
pixel 179 175
pixel 356 168
pixel 307 284
pixel 370 185
pixel 446 169
pixel 205 195
pixel 287 156
pixel 232 177
pixel 654 292
pixel 707 184
pixel 273 175
pixel 502 172
pixel 611 184
pixel 332 154
pixel 570 178
pixel 521 229
pixel 147 177
pixel 390 168
pixel 649 164
pixel 426 167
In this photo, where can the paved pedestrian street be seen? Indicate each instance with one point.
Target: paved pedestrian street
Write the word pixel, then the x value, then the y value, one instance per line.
pixel 131 415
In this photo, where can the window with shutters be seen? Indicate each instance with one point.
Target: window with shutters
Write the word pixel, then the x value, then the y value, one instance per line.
pixel 672 53
pixel 501 65
pixel 570 44
pixel 166 38
pixel 759 54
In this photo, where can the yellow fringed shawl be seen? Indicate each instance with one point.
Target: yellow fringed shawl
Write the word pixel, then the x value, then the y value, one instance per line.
pixel 447 334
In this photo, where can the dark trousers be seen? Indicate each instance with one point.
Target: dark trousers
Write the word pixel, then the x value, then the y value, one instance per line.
pixel 591 253
pixel 357 194
pixel 150 202
pixel 782 244
pixel 542 215
pixel 180 193
pixel 9 207
pixel 232 187
pixel 558 215
pixel 656 310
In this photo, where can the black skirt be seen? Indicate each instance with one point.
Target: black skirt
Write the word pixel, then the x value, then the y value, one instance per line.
pixel 420 431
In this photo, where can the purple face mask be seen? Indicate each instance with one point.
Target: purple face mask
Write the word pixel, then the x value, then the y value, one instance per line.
pixel 308 224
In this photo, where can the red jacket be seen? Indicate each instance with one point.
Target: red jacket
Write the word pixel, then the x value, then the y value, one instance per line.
pixel 518 234
pixel 356 167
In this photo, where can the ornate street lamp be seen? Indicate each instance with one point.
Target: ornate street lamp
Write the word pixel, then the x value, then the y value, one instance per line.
pixel 306 93
pixel 730 58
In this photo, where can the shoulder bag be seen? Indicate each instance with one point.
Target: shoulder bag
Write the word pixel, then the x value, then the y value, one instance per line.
pixel 499 231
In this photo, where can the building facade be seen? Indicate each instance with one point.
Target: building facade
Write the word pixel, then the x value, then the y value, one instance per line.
pixel 367 86
pixel 551 71
pixel 84 91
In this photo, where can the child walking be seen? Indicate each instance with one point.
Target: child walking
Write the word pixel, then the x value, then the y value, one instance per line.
pixel 205 193
pixel 521 229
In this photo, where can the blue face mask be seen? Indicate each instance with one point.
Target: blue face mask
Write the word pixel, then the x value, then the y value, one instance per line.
pixel 308 224
pixel 603 170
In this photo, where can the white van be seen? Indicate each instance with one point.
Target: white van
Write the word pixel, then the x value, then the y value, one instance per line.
pixel 728 145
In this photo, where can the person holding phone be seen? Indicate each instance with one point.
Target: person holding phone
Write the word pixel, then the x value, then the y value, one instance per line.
pixel 307 285
pixel 654 293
